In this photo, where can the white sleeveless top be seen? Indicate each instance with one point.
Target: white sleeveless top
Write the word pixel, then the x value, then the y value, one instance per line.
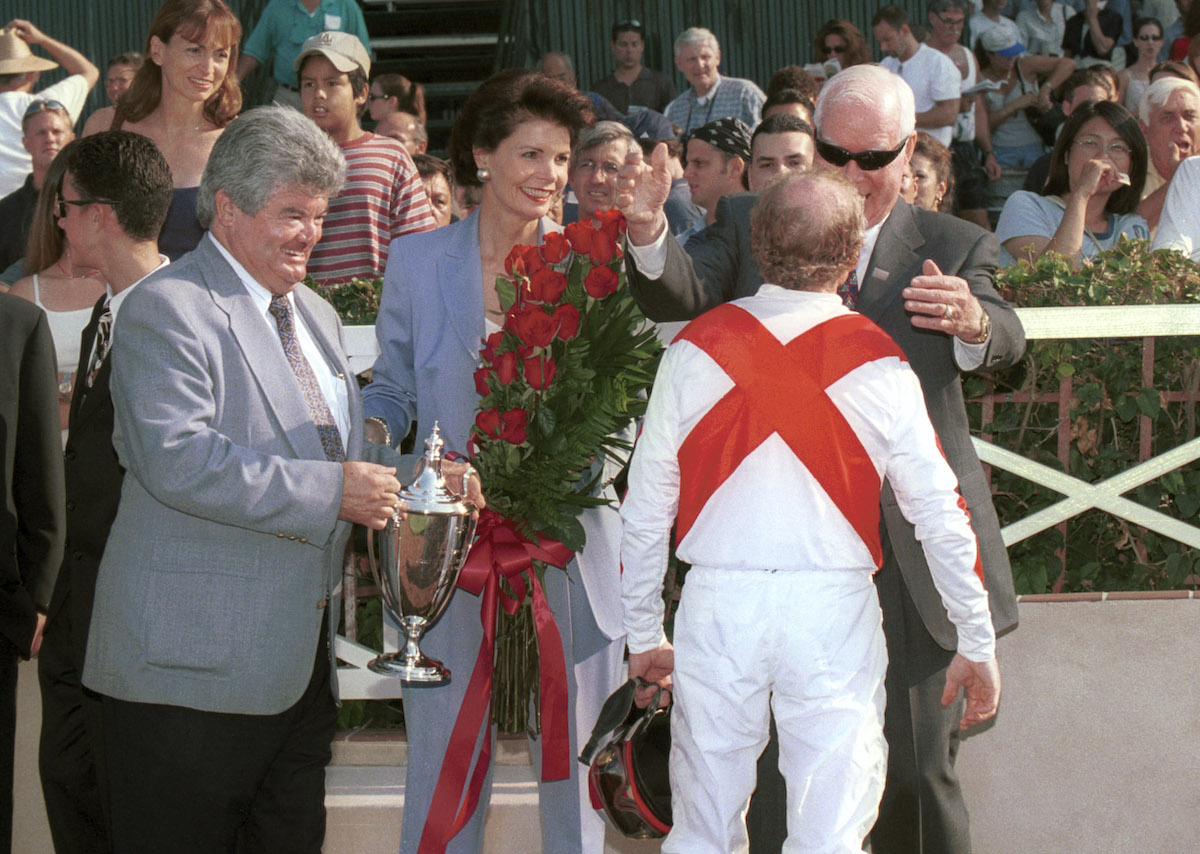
pixel 65 329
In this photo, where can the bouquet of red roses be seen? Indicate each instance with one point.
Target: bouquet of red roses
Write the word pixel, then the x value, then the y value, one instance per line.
pixel 567 372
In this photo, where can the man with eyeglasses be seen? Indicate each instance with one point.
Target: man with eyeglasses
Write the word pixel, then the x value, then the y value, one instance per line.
pixel 632 86
pixel 46 128
pixel 20 70
pixel 926 280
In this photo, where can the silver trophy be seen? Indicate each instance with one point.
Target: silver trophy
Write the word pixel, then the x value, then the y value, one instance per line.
pixel 421 552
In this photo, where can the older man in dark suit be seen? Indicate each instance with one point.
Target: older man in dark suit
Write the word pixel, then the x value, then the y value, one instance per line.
pixel 31 525
pixel 927 281
pixel 119 238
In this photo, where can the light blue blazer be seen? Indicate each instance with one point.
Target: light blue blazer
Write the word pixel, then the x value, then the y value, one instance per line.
pixel 226 547
pixel 430 331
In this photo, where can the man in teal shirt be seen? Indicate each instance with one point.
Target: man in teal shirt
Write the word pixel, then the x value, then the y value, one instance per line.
pixel 284 27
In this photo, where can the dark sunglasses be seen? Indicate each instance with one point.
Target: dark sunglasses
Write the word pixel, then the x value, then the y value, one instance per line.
pixel 60 206
pixel 835 48
pixel 868 161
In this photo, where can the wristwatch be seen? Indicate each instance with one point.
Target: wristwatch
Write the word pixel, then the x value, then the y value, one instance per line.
pixel 985 329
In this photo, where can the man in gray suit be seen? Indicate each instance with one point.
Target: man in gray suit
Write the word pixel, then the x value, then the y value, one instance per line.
pixel 928 284
pixel 240 427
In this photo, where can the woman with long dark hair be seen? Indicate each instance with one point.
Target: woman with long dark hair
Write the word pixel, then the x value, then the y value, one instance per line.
pixel 182 97
pixel 1097 172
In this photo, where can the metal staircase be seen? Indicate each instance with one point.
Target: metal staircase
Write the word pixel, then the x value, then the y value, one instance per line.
pixel 448 46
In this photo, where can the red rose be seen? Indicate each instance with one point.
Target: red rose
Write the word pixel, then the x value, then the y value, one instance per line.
pixel 601 282
pixel 612 223
pixel 488 353
pixel 506 367
pixel 539 371
pixel 514 264
pixel 488 421
pixel 533 326
pixel 547 285
pixel 604 248
pixel 523 261
pixel 567 318
pixel 555 247
pixel 580 236
pixel 533 260
pixel 481 378
pixel 513 429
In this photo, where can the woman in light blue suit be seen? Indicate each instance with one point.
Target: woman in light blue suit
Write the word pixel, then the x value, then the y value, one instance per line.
pixel 513 138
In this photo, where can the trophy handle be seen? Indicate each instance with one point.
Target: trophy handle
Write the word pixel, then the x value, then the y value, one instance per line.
pixel 372 557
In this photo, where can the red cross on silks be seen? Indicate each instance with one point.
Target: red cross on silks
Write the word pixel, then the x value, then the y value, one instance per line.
pixel 780 389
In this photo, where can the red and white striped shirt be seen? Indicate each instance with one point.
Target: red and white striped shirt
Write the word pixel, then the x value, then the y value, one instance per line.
pixel 383 198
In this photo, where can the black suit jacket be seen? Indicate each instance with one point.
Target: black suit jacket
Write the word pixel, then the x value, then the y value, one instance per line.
pixel 31 527
pixel 93 489
pixel 719 266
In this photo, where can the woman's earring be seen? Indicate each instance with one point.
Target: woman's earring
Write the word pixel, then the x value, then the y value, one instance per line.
pixel 483 175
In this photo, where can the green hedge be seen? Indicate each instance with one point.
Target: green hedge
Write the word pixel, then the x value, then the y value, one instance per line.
pixel 1099 552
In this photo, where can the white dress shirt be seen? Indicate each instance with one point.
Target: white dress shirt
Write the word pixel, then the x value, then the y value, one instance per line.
pixel 333 384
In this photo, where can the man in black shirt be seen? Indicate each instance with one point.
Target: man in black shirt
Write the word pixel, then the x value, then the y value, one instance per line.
pixel 632 86
pixel 45 130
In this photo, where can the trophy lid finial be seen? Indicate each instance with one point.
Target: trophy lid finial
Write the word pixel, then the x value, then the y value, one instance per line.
pixel 428 493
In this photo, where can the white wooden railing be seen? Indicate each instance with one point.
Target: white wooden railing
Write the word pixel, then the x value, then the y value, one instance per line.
pixel 356 682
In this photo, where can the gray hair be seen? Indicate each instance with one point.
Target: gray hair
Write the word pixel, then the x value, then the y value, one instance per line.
pixel 697 36
pixel 602 133
pixel 870 87
pixel 263 151
pixel 1160 91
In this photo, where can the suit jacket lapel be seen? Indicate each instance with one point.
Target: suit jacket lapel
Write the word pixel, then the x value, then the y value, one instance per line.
pixel 461 260
pixel 263 353
pixel 893 263
pixel 85 400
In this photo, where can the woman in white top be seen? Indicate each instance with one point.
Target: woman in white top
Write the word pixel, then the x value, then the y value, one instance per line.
pixel 1135 79
pixel 1097 171
pixel 65 292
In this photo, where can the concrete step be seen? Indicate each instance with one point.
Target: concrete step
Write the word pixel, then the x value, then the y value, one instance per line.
pixel 364 799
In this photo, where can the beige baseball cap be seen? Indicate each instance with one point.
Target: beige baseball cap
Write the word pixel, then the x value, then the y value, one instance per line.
pixel 344 50
pixel 16 57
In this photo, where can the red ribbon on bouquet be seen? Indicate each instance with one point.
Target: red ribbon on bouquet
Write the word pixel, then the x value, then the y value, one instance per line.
pixel 500 551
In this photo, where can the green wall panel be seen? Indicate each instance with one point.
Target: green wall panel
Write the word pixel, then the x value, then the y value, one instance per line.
pixel 757 36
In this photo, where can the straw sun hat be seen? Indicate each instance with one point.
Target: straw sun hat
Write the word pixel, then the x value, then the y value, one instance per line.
pixel 17 58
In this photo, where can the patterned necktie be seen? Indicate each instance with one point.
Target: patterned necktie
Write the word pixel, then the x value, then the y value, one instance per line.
pixel 318 407
pixel 848 290
pixel 101 343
